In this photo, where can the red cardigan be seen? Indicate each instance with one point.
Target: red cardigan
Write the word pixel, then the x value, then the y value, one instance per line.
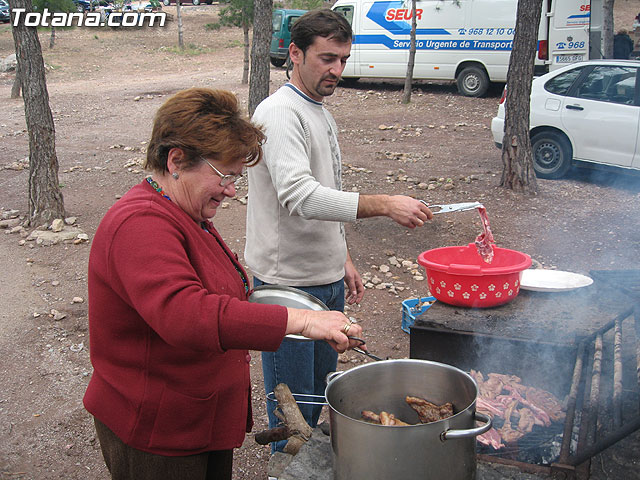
pixel 169 329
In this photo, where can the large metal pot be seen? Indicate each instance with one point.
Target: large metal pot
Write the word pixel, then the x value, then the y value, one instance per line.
pixel 440 450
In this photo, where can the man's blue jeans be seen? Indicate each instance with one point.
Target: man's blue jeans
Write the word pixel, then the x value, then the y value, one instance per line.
pixel 302 365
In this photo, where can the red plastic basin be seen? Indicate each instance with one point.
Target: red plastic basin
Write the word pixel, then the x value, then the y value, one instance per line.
pixel 459 276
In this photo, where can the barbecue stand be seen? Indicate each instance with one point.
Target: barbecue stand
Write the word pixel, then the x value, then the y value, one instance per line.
pixel 598 373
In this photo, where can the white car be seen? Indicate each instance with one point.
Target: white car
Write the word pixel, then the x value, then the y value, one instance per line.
pixel 583 112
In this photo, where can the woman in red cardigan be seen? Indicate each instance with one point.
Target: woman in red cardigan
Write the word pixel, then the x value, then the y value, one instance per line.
pixel 170 325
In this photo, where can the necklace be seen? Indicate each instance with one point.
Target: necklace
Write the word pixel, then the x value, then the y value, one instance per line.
pixel 157 187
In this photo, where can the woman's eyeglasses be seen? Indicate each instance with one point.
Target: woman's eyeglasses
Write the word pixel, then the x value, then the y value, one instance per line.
pixel 224 179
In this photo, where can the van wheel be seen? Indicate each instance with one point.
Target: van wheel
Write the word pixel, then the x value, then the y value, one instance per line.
pixel 473 82
pixel 277 62
pixel 552 154
pixel 166 3
pixel 196 2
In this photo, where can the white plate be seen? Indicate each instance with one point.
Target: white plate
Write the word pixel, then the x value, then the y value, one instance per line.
pixel 540 280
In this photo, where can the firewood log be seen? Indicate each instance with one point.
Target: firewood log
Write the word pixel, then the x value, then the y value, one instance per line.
pixel 292 418
pixel 275 434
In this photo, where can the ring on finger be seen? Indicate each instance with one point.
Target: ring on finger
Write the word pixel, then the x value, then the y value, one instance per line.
pixel 352 320
pixel 346 328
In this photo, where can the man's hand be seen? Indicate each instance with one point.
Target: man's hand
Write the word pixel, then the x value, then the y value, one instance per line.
pixel 402 209
pixel 353 283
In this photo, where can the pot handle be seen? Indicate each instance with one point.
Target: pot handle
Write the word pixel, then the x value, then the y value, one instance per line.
pixel 471 432
pixel 331 375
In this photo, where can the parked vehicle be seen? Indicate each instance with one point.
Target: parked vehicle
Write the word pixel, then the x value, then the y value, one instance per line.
pixel 166 3
pixel 83 5
pixel 468 41
pixel 583 112
pixel 5 16
pixel 281 38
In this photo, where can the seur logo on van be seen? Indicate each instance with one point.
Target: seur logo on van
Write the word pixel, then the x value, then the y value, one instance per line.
pixel 402 14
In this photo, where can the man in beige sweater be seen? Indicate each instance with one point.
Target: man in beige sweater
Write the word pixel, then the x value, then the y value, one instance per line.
pixel 296 206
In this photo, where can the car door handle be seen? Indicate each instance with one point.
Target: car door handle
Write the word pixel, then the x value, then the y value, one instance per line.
pixel 575 107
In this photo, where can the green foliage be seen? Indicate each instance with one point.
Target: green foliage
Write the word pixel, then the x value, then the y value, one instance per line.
pixel 212 26
pixel 237 13
pixel 306 4
pixel 300 4
pixel 54 5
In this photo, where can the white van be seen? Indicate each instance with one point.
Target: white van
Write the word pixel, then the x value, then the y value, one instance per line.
pixel 468 41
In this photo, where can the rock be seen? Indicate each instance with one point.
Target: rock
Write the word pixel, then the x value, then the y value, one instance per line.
pixel 77 300
pixel 57 225
pixel 6 215
pixel 70 220
pixel 10 223
pixel 57 316
pixel 47 238
pixel 384 268
pixel 9 63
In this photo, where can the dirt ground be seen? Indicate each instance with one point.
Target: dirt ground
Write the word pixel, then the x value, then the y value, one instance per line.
pixel 105 86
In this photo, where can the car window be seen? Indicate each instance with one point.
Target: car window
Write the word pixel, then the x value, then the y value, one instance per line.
pixel 277 22
pixel 347 12
pixel 615 84
pixel 291 21
pixel 561 84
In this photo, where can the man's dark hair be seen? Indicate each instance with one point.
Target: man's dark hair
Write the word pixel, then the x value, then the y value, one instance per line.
pixel 320 23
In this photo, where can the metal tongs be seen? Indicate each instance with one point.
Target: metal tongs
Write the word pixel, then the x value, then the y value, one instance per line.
pixel 453 207
pixel 363 352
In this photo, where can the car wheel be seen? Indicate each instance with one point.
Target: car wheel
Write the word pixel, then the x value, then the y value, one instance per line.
pixel 196 2
pixel 166 3
pixel 80 8
pixel 552 154
pixel 473 82
pixel 277 62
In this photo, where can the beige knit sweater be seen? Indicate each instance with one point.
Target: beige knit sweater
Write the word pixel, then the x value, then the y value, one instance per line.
pixel 296 207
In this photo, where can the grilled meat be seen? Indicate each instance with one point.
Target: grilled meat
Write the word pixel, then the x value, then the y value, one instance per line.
pixel 429 412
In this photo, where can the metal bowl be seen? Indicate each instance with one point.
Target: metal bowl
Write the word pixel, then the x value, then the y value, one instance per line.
pixel 287 297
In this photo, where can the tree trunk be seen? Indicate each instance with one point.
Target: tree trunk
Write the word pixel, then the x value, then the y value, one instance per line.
pixel 45 198
pixel 607 29
pixel 52 38
pixel 245 67
pixel 179 16
pixel 518 173
pixel 408 80
pixel 17 83
pixel 262 26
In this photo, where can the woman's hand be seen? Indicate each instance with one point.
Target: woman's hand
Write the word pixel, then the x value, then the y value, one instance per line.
pixel 330 325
